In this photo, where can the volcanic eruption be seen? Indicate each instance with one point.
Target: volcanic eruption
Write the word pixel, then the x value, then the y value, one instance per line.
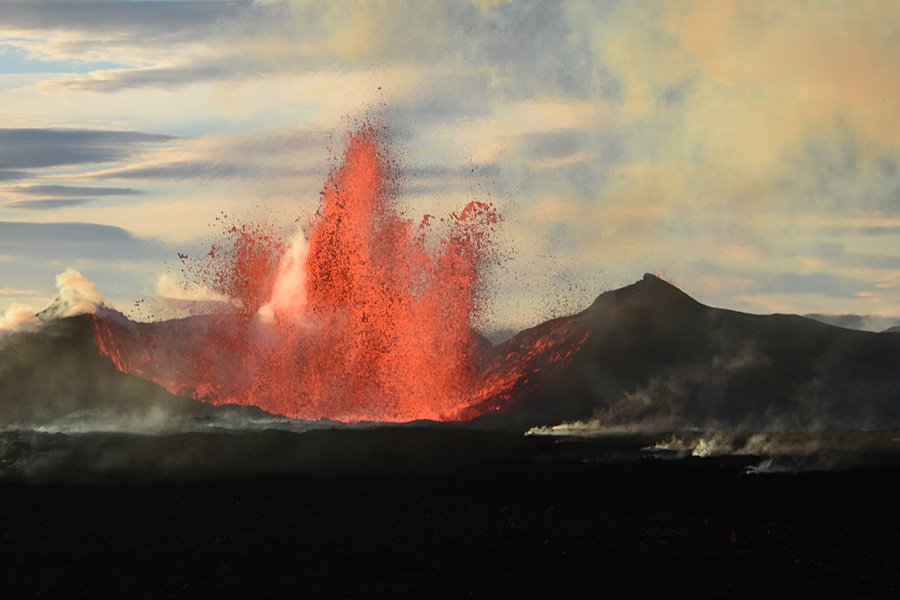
pixel 370 316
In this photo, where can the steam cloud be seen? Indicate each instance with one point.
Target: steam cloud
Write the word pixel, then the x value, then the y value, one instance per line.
pixel 18 317
pixel 168 287
pixel 289 292
pixel 77 294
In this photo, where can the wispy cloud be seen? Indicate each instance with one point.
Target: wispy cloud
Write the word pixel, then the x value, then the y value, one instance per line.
pixel 182 170
pixel 529 46
pixel 141 19
pixel 68 242
pixel 6 175
pixel 51 147
pixel 11 291
pixel 128 32
pixel 69 191
pixel 170 76
pixel 45 204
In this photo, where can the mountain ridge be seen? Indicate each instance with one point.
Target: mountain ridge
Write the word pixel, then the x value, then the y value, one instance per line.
pixel 644 356
pixel 655 357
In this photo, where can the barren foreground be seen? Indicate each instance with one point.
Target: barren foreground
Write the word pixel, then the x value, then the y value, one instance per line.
pixel 538 521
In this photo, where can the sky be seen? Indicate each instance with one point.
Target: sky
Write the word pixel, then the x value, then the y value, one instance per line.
pixel 749 152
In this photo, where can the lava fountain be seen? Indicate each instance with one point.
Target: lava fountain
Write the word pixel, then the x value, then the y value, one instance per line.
pixel 370 317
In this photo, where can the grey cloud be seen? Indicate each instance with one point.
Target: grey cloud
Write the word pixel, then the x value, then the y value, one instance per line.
pixel 199 171
pixel 431 179
pixel 517 44
pixel 562 238
pixel 278 143
pixel 585 178
pixel 69 242
pixel 439 172
pixel 611 90
pixel 524 48
pixel 871 261
pixel 13 175
pixel 837 174
pixel 107 24
pixel 811 283
pixel 836 254
pixel 460 94
pixel 68 191
pixel 834 165
pixel 147 25
pixel 874 230
pixel 761 282
pixel 673 96
pixel 39 251
pixel 880 230
pixel 114 80
pixel 171 21
pixel 531 43
pixel 246 157
pixel 837 158
pixel 41 148
pixel 180 170
pixel 606 149
pixel 610 149
pixel 553 145
pixel 46 204
pixel 828 249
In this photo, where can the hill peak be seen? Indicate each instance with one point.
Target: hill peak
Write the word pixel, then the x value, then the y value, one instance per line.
pixel 650 290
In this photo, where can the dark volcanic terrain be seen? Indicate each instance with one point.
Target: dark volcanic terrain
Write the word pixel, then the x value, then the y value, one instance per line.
pixel 690 528
pixel 656 359
pixel 58 371
pixel 57 375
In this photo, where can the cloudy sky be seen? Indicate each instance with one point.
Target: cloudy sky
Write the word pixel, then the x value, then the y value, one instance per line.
pixel 749 151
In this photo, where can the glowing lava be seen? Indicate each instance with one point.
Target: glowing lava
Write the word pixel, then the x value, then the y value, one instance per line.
pixel 372 318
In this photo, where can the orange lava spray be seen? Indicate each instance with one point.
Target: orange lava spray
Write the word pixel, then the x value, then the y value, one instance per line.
pixel 371 318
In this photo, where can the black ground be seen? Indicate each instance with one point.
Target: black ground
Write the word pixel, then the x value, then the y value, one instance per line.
pixel 537 527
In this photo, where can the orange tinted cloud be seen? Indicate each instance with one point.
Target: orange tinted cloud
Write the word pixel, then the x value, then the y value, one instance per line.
pixel 825 60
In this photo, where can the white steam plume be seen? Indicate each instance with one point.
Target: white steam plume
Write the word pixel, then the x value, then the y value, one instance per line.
pixel 18 317
pixel 168 287
pixel 77 294
pixel 289 292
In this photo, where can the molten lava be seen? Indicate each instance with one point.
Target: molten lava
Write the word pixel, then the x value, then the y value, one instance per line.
pixel 372 318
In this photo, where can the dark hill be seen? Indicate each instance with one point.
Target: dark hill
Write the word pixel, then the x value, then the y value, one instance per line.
pixel 654 358
pixel 58 372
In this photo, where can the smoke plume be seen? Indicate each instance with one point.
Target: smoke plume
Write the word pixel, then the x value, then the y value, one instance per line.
pixel 289 291
pixel 77 296
pixel 168 287
pixel 18 317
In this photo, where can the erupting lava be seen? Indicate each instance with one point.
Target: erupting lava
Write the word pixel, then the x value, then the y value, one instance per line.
pixel 371 319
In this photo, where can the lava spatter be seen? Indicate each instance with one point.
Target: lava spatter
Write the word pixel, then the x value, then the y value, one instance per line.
pixel 370 316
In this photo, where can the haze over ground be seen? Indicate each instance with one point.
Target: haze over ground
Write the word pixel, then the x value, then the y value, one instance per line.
pixel 751 152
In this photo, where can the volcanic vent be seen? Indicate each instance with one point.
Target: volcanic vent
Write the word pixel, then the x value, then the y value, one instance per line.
pixel 370 317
